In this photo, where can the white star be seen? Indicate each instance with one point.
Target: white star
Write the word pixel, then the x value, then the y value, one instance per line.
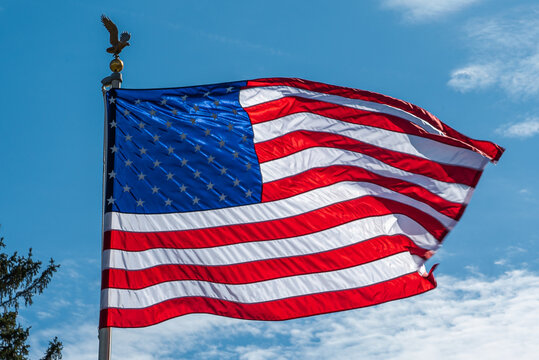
pixel 195 107
pixel 193 121
pixel 156 163
pixel 235 112
pixel 184 162
pixel 164 102
pixel 195 200
pixel 236 182
pixel 223 170
pixel 206 94
pixel 236 154
pixel 244 138
pixel 113 124
pixel 216 102
pixel 141 176
pixel 155 189
pixel 248 193
pixel 126 112
pixel 156 138
pixel 137 101
pixel 128 162
pixel 111 200
pixel 183 188
pixel 169 124
pixel 142 150
pixel 152 112
pixel 211 159
pixel 140 202
pixel 174 112
pixel 183 136
pixel 170 150
pixel 114 149
pixel 197 147
pixel 229 89
pixel 207 132
pixel 168 202
pixel 248 166
pixel 112 174
pixel 184 97
pixel 170 176
pixel 210 186
pixel 128 137
pixel 230 127
pixel 222 197
pixel 126 188
pixel 197 174
pixel 221 143
pixel 112 100
pixel 214 116
pixel 141 125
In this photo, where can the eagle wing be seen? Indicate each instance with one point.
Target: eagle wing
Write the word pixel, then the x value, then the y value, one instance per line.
pixel 113 30
pixel 125 36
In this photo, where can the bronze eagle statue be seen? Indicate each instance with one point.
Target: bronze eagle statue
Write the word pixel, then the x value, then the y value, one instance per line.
pixel 117 44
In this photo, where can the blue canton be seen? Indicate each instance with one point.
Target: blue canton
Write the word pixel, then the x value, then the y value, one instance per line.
pixel 178 150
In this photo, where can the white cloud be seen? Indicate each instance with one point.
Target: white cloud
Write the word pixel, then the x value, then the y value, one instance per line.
pixel 523 129
pixel 505 54
pixel 473 77
pixel 463 319
pixel 427 10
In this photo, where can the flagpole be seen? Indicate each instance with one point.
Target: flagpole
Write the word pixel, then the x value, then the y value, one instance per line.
pixel 113 81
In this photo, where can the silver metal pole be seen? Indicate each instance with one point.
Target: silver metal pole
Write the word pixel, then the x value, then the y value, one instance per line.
pixel 115 82
pixel 104 344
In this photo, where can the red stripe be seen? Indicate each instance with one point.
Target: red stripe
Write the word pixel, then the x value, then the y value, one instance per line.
pixel 491 150
pixel 274 109
pixel 320 177
pixel 307 223
pixel 284 309
pixel 300 140
pixel 345 257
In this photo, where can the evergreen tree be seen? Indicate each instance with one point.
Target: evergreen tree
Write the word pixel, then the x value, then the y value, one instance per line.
pixel 20 280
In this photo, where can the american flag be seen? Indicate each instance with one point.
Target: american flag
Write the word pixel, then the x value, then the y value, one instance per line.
pixel 274 199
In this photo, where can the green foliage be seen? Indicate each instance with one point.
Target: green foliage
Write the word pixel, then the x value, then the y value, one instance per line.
pixel 13 337
pixel 20 280
pixel 54 352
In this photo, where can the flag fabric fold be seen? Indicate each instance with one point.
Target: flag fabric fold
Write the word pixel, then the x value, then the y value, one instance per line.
pixel 273 199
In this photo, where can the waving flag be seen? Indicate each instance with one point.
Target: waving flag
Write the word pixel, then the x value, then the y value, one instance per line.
pixel 274 199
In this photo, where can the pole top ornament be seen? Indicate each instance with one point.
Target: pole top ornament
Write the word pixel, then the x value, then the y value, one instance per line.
pixel 116 65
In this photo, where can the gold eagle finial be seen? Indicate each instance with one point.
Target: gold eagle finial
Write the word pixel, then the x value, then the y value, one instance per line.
pixel 117 44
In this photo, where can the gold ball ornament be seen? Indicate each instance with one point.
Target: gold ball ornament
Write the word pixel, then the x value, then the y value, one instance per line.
pixel 116 65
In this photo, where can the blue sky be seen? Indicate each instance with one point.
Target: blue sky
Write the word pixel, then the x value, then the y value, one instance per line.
pixel 473 63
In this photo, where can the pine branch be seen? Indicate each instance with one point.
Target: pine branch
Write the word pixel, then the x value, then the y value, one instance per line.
pixel 54 352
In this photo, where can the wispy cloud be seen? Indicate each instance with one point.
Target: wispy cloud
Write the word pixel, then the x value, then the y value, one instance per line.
pixel 474 76
pixel 240 43
pixel 505 54
pixel 468 318
pixel 523 129
pixel 427 10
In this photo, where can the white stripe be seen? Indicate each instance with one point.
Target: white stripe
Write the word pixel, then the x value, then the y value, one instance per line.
pixel 344 235
pixel 322 157
pixel 391 140
pixel 266 211
pixel 281 288
pixel 254 96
